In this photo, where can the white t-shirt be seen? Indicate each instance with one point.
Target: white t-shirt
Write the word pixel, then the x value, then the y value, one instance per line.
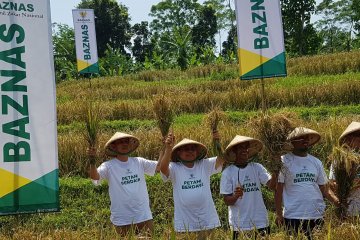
pixel 249 212
pixel 354 198
pixel 193 203
pixel 301 194
pixel 127 189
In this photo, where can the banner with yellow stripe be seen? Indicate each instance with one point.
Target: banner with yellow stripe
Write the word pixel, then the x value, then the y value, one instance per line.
pixel 85 41
pixel 260 39
pixel 28 134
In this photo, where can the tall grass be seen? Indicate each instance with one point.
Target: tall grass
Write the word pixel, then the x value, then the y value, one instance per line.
pixel 336 63
pixel 272 130
pixel 249 99
pixel 72 147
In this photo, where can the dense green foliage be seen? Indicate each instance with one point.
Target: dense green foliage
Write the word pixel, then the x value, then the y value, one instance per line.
pixel 182 34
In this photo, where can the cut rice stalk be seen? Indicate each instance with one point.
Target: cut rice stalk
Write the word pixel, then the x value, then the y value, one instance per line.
pixel 345 165
pixel 164 114
pixel 272 130
pixel 213 119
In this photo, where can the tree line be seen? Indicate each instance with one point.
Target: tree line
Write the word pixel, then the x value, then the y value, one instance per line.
pixel 184 33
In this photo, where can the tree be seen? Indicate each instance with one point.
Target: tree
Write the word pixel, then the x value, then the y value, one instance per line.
pixel 356 10
pixel 230 46
pixel 297 27
pixel 142 46
pixel 337 24
pixel 111 23
pixel 203 33
pixel 172 28
pixel 179 41
pixel 170 14
pixel 225 15
pixel 64 52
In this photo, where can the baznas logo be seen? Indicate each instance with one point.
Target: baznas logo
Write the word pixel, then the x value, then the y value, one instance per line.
pixel 83 14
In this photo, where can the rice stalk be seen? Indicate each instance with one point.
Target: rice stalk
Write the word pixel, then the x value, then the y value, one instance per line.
pixel 345 162
pixel 272 130
pixel 164 114
pixel 92 126
pixel 213 119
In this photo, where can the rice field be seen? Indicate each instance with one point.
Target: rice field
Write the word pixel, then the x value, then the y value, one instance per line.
pixel 321 92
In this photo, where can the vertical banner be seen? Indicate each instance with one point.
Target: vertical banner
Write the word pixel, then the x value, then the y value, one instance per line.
pixel 260 39
pixel 85 40
pixel 28 136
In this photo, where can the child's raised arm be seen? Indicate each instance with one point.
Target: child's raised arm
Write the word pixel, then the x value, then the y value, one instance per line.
pixel 93 173
pixel 165 161
pixel 220 156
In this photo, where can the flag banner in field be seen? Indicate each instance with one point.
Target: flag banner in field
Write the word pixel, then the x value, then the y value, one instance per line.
pixel 28 135
pixel 85 40
pixel 260 39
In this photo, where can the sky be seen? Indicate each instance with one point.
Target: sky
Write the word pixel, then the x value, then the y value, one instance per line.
pixel 138 10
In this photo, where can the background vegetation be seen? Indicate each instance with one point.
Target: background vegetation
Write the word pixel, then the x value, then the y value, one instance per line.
pixel 187 33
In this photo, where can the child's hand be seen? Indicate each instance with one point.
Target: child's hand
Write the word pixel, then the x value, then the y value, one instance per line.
pixel 216 135
pixel 170 139
pixel 91 152
pixel 239 192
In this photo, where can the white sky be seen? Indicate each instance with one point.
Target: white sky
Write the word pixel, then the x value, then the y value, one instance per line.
pixel 138 10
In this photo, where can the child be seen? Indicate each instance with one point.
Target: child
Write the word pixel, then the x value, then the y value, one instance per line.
pixel 302 186
pixel 241 187
pixel 127 187
pixel 350 139
pixel 190 174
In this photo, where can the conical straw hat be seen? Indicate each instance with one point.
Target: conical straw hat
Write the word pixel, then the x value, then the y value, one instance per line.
pixel 255 147
pixel 202 150
pixel 302 131
pixel 353 127
pixel 133 143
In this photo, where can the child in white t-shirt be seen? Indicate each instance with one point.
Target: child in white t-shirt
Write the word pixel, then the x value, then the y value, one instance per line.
pixel 241 187
pixel 130 208
pixel 302 186
pixel 350 139
pixel 189 172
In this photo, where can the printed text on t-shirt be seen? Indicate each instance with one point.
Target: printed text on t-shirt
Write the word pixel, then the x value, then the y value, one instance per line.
pixel 192 184
pixel 130 179
pixel 304 177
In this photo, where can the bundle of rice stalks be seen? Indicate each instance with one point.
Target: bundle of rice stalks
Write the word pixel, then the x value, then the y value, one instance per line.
pixel 272 130
pixel 92 126
pixel 345 163
pixel 213 119
pixel 164 113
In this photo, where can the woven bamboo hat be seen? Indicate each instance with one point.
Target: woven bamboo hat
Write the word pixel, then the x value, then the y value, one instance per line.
pixel 353 127
pixel 201 149
pixel 133 143
pixel 314 136
pixel 255 146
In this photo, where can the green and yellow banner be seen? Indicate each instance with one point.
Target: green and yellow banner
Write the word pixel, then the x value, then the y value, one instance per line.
pixel 260 39
pixel 85 41
pixel 28 135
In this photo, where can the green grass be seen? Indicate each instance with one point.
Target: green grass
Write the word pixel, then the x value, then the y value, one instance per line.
pixel 191 120
pixel 85 215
